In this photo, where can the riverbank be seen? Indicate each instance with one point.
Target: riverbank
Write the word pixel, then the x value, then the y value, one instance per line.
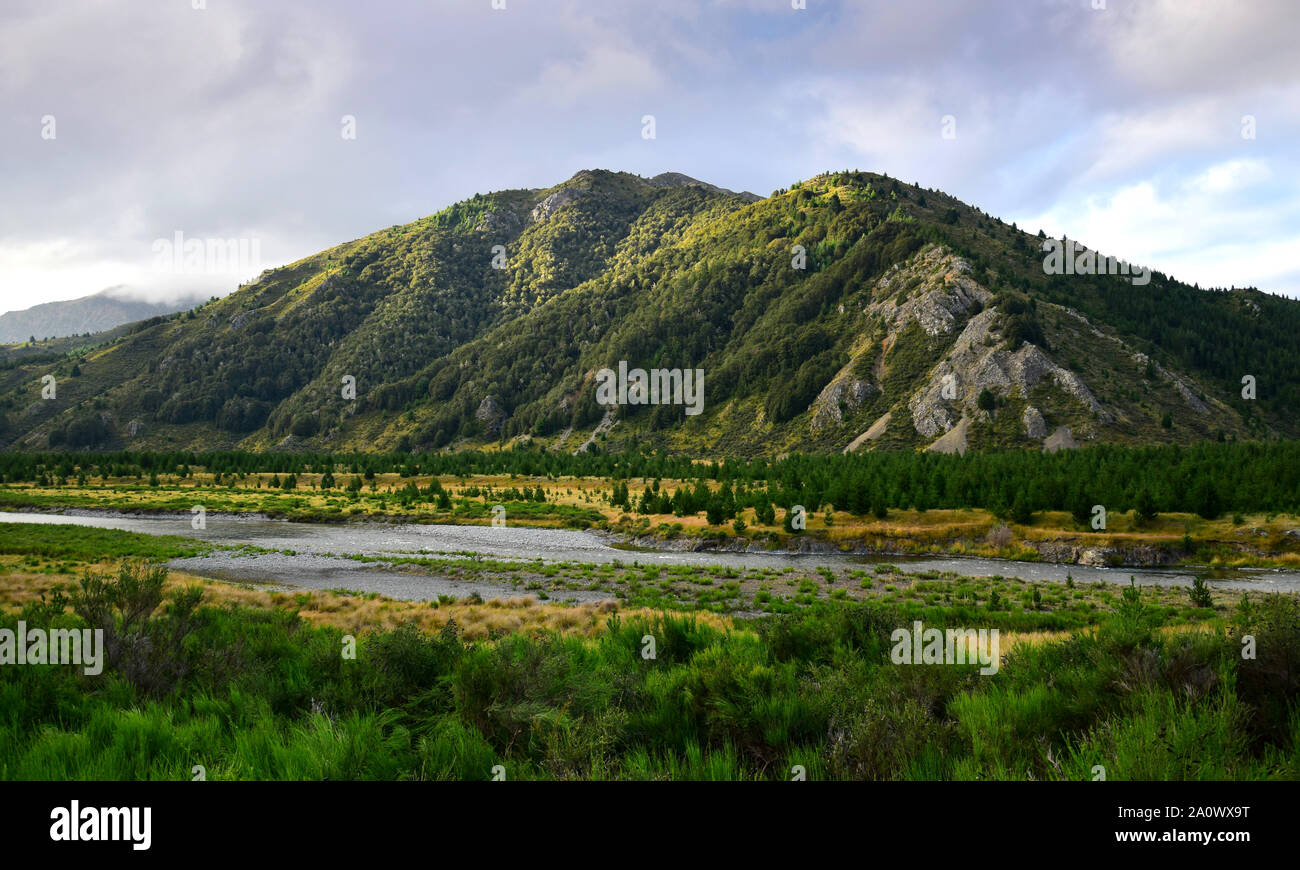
pixel 1168 541
pixel 1023 544
pixel 425 562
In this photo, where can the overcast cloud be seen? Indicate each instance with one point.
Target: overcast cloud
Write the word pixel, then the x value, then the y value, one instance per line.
pixel 1122 127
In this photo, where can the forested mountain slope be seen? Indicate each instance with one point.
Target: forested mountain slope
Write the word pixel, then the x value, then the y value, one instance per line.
pixel 916 321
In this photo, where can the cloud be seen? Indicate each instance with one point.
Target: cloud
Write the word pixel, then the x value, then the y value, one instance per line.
pixel 1228 224
pixel 601 73
pixel 1160 47
pixel 225 122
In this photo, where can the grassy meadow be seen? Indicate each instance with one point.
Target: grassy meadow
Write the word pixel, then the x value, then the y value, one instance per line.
pixel 254 683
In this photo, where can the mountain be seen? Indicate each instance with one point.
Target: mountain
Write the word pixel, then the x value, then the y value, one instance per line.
pixel 676 179
pixel 916 321
pixel 87 315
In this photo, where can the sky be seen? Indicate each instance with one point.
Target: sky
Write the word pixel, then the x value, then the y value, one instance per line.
pixel 1162 132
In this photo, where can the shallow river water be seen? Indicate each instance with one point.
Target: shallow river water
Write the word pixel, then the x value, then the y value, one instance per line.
pixel 316 548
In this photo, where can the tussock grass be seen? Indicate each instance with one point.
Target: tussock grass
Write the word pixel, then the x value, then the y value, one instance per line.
pixel 259 687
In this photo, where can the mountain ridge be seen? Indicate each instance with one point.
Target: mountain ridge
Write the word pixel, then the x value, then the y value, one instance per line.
pixel 86 315
pixel 487 322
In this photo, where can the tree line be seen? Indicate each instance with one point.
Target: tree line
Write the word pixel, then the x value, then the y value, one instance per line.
pixel 1209 478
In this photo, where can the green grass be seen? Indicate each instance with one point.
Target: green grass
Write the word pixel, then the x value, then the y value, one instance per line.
pixel 262 695
pixel 90 544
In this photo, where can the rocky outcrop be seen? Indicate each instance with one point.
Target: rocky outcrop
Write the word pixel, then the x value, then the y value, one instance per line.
pixel 677 179
pixel 1142 360
pixel 978 363
pixel 238 321
pixel 1035 425
pixel 490 414
pixel 554 203
pixel 975 366
pixel 935 291
pixel 606 423
pixel 1193 401
pixel 504 221
pixel 845 392
pixel 1140 556
pixel 942 294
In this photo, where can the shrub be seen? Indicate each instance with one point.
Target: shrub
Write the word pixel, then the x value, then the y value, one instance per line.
pixel 1271 680
pixel 149 652
pixel 999 536
pixel 1200 593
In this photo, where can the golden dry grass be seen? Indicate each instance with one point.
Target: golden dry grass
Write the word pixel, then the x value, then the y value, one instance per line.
pixel 1008 640
pixel 358 614
pixel 18 587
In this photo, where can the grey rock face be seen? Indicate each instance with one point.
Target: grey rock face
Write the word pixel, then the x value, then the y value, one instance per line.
pixel 935 290
pixel 975 365
pixel 1098 557
pixel 554 202
pixel 1189 396
pixel 1035 425
pixel 944 296
pixel 844 389
pixel 1067 553
pixel 490 414
pixel 501 222
pixel 677 179
pixel 1193 401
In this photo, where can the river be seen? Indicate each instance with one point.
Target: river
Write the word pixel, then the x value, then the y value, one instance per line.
pixel 316 548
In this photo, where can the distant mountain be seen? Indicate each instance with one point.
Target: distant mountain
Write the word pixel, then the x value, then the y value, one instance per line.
pixel 676 179
pixel 89 314
pixel 848 312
